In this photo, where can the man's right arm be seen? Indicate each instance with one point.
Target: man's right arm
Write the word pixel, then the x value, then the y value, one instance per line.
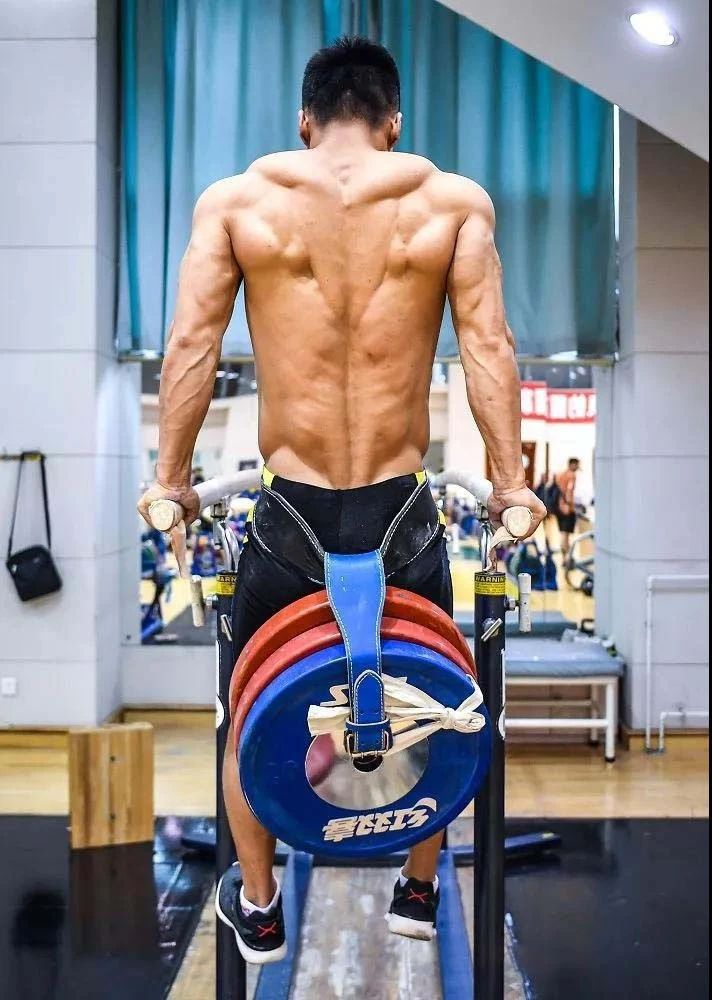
pixel 208 283
pixel 487 352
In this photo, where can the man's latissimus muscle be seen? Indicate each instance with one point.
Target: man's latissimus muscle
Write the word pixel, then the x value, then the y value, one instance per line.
pixel 209 279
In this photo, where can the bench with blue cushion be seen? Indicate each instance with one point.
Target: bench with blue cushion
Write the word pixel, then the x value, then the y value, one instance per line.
pixel 535 661
pixel 550 658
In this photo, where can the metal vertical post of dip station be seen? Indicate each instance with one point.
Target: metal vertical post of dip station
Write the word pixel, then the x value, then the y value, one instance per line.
pixel 231 973
pixel 490 609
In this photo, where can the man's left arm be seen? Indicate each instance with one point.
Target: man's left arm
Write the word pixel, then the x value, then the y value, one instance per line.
pixel 487 352
pixel 208 284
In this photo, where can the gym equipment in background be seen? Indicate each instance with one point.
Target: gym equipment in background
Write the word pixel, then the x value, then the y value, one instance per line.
pixel 579 568
pixel 205 558
pixel 155 571
pixel 459 978
pixel 527 557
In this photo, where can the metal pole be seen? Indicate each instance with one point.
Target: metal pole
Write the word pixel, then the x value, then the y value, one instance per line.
pixel 490 609
pixel 231 977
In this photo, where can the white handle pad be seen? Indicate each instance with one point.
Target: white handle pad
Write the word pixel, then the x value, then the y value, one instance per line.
pixel 215 489
pixel 165 514
pixel 478 486
pixel 517 520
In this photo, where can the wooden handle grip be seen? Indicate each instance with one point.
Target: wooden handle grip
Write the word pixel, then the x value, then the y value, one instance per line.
pixel 165 514
pixel 517 521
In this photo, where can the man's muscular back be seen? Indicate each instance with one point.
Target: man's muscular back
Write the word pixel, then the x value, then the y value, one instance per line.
pixel 347 251
pixel 345 258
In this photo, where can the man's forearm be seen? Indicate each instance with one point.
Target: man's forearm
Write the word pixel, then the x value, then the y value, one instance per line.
pixel 187 381
pixel 494 395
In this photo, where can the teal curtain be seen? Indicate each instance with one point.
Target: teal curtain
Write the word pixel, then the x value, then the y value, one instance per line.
pixel 209 85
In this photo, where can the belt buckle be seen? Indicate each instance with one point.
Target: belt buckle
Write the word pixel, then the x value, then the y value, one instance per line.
pixel 369 760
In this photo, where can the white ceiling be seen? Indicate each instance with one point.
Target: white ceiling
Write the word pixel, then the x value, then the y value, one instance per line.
pixel 592 42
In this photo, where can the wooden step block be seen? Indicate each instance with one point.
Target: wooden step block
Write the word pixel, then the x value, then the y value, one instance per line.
pixel 111 784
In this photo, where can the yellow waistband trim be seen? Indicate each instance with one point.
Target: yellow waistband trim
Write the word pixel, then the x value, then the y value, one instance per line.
pixel 442 518
pixel 268 477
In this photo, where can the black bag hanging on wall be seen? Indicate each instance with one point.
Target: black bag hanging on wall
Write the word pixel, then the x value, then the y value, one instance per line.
pixel 32 570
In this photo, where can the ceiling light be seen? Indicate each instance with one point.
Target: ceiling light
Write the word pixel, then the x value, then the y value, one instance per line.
pixel 653 27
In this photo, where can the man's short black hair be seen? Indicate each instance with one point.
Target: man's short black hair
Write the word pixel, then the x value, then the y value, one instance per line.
pixel 574 461
pixel 352 79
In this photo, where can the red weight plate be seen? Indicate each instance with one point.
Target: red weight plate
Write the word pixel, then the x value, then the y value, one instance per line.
pixel 245 689
pixel 312 611
pixel 328 635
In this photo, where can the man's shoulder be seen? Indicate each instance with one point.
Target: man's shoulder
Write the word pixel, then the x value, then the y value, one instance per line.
pixel 240 189
pixel 221 195
pixel 461 194
pixel 278 167
pixel 412 163
pixel 448 190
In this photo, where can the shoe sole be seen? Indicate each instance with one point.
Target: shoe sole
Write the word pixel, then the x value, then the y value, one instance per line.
pixel 420 930
pixel 250 955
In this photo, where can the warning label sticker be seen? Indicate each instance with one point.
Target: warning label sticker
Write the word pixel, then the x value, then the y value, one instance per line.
pixel 490 584
pixel 225 584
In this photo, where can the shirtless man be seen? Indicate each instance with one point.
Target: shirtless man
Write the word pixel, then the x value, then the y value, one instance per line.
pixel 566 504
pixel 347 251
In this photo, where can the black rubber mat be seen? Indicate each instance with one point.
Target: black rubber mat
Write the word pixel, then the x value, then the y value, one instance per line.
pixel 621 915
pixel 105 922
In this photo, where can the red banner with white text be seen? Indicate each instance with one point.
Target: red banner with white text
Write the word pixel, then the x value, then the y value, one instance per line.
pixel 558 406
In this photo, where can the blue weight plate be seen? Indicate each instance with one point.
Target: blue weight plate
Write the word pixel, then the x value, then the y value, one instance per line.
pixel 413 795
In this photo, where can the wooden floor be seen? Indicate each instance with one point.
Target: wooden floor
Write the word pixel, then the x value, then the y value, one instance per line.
pixel 542 780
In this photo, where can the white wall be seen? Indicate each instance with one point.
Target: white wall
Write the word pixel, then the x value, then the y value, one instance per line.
pixel 592 42
pixel 652 469
pixel 62 390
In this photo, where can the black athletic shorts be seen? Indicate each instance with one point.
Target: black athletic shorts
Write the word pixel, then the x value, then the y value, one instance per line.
pixel 293 524
pixel 566 522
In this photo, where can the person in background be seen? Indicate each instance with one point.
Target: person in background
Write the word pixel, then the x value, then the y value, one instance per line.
pixel 543 492
pixel 564 505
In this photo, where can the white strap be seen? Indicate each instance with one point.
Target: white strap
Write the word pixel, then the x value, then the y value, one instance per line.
pixel 406 706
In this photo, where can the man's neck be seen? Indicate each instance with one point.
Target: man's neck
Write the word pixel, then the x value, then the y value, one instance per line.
pixel 353 136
